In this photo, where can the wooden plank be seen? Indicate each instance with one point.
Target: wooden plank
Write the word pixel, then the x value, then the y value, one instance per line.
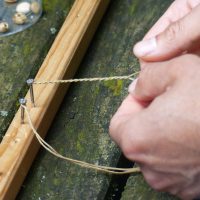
pixel 137 188
pixel 19 147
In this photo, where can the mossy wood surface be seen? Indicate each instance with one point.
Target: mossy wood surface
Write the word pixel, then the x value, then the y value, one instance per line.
pixel 80 129
pixel 22 54
pixel 137 188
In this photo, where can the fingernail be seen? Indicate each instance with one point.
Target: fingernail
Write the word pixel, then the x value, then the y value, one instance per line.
pixel 145 47
pixel 131 87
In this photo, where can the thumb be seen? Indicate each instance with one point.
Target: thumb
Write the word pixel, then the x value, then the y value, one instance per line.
pixel 179 37
pixel 157 78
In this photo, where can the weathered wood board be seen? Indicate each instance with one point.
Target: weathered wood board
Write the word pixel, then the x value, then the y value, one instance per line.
pixel 137 188
pixel 80 129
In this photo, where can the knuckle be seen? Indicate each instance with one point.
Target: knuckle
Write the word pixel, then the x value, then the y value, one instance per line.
pixel 191 4
pixel 173 31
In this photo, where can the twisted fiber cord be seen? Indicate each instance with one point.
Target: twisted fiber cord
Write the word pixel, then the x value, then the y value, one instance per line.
pixel 130 77
pixel 49 148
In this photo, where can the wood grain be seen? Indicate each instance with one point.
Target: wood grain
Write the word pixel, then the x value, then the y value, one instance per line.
pixel 19 147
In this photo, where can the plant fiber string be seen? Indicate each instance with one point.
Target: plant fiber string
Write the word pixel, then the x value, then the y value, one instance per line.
pixel 50 149
pixel 130 77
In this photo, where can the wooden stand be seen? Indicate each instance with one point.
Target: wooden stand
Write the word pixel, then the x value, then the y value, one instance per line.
pixel 19 146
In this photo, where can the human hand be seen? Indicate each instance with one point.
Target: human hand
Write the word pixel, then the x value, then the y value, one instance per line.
pixel 164 138
pixel 175 33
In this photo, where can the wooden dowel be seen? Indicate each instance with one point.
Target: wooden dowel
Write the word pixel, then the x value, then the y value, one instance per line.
pixel 19 147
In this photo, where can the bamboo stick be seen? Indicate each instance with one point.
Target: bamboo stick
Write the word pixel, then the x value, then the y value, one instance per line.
pixel 19 147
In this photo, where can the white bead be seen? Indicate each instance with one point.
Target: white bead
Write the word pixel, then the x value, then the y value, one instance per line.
pixel 23 7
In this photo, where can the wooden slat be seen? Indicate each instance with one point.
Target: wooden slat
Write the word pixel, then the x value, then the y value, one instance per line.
pixel 19 147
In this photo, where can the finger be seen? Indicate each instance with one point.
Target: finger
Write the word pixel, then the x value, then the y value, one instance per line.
pixel 162 181
pixel 176 11
pixel 180 36
pixel 128 129
pixel 129 107
pixel 157 78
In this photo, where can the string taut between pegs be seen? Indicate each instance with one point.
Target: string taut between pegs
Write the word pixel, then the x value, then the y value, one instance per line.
pixel 127 77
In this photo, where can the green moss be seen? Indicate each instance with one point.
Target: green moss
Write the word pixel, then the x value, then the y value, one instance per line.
pixel 79 147
pixel 26 49
pixel 80 141
pixel 81 136
pixel 96 91
pixel 134 6
pixel 49 6
pixel 56 181
pixel 115 86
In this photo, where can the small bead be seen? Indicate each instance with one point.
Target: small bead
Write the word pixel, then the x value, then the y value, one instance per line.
pixel 23 7
pixel 19 18
pixel 4 27
pixel 35 7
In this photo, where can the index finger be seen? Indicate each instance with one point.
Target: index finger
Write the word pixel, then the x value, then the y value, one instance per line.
pixel 177 10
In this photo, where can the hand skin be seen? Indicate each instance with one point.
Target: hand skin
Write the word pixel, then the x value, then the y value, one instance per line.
pixel 164 137
pixel 163 134
pixel 175 33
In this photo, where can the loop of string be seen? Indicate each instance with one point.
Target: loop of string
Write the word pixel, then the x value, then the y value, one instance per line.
pixel 50 149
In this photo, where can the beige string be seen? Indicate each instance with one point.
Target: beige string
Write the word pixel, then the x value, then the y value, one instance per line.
pixel 130 77
pixel 49 148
